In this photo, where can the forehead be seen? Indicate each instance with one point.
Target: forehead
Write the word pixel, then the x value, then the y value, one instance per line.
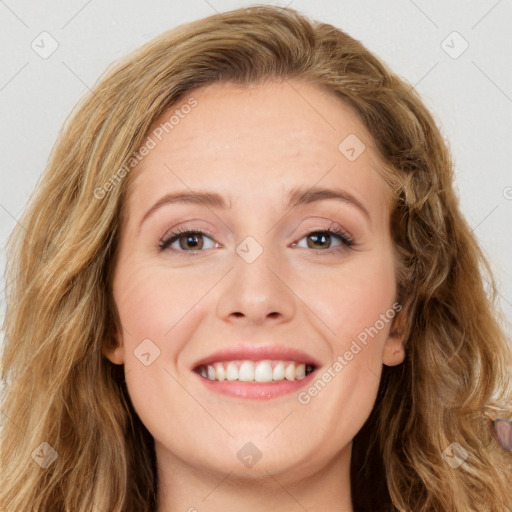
pixel 256 140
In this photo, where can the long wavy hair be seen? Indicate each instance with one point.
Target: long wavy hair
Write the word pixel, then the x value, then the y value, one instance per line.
pixel 62 397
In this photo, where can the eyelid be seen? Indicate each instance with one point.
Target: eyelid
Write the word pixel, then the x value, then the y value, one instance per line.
pixel 345 240
pixel 335 228
pixel 189 225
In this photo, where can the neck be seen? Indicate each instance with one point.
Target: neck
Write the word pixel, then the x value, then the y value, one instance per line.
pixel 184 487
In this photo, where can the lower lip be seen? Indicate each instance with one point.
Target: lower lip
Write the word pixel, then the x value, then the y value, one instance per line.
pixel 256 390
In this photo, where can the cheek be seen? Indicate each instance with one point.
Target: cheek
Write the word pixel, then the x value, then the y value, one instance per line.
pixel 160 309
pixel 152 300
pixel 358 306
pixel 158 319
pixel 352 299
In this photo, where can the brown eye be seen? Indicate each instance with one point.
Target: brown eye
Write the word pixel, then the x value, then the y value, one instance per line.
pixel 319 241
pixel 323 241
pixel 191 241
pixel 187 241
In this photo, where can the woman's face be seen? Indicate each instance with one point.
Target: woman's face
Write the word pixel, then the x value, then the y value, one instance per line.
pixel 263 173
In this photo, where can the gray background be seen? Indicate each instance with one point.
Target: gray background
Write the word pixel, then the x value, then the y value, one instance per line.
pixel 469 92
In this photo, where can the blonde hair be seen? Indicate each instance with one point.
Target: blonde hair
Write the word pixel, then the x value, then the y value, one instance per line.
pixel 60 313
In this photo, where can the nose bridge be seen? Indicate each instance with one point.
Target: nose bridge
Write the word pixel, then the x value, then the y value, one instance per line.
pixel 254 292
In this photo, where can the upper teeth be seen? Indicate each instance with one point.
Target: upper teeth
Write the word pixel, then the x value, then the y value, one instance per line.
pixel 250 371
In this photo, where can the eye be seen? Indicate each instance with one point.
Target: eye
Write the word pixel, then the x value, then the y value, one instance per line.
pixel 323 240
pixel 188 241
pixel 192 241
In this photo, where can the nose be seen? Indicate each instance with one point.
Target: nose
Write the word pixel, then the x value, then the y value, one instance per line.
pixel 256 292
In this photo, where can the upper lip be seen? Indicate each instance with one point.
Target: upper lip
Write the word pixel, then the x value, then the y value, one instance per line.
pixel 258 353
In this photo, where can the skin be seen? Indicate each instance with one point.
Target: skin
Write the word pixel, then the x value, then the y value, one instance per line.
pixel 252 145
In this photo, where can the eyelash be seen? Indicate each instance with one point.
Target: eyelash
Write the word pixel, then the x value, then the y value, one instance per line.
pixel 344 237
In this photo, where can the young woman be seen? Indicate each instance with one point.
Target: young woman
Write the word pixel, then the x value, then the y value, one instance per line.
pixel 245 283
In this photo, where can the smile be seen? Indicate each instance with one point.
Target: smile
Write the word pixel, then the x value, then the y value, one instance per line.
pixel 255 371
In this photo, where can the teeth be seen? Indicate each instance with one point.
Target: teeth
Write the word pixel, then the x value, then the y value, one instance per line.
pixel 250 371
pixel 263 372
pixel 231 372
pixel 220 373
pixel 246 372
pixel 289 372
pixel 278 373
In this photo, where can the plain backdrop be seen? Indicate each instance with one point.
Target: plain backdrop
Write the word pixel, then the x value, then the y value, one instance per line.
pixel 457 55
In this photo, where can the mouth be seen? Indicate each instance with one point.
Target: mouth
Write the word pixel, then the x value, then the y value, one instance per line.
pixel 257 372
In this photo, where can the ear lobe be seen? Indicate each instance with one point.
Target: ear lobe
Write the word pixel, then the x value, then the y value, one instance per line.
pixel 394 351
pixel 114 355
pixel 113 350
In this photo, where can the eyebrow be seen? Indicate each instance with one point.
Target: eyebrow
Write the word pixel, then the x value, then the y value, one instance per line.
pixel 296 197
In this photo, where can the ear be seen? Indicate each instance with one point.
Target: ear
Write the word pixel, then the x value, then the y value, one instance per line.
pixel 113 349
pixel 394 350
pixel 114 355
